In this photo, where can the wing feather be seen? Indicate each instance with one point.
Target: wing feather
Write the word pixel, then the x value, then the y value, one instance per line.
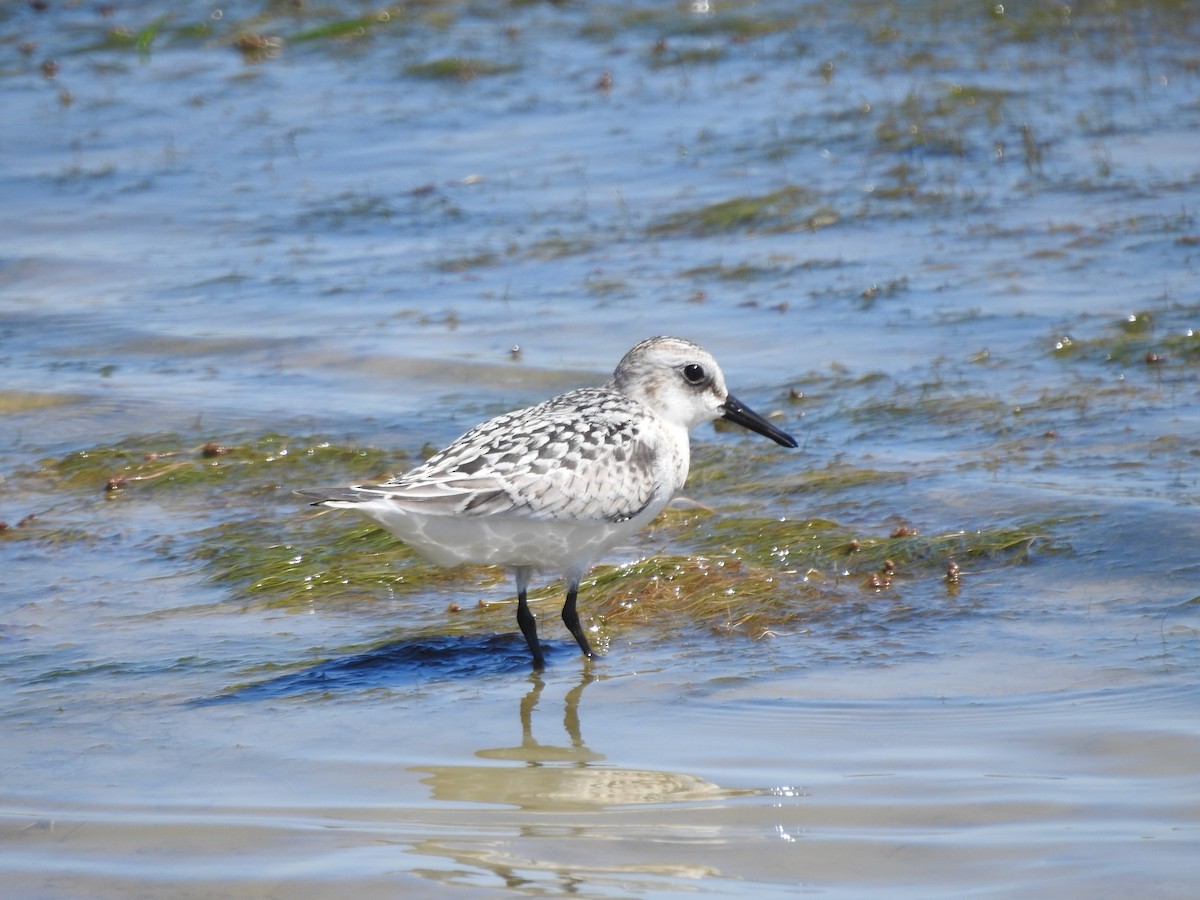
pixel 589 455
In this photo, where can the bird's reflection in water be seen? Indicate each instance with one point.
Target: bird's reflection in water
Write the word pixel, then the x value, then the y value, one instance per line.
pixel 535 754
pixel 558 777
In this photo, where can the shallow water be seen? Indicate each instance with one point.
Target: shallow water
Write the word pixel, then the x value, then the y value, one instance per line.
pixel 962 273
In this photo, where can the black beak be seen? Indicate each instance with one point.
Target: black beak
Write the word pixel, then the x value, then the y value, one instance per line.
pixel 735 411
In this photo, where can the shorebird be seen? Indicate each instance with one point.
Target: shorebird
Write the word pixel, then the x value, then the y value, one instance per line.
pixel 554 485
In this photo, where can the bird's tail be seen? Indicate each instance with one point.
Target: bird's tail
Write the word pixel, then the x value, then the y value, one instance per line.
pixel 338 496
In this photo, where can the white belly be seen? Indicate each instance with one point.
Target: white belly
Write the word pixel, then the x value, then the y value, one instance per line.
pixel 501 540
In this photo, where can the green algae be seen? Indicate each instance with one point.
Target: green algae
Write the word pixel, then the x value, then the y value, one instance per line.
pixel 25 401
pixel 343 29
pixel 300 564
pixel 172 462
pixel 836 476
pixel 733 573
pixel 141 39
pixel 758 577
pixel 791 208
pixel 743 271
pixel 478 260
pixel 745 575
pixel 459 68
pixel 660 57
pixel 821 544
pixel 32 530
pixel 1159 340
pixel 718 564
pixel 928 404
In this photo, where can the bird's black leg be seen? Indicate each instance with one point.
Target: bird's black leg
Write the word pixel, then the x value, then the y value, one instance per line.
pixel 570 617
pixel 526 621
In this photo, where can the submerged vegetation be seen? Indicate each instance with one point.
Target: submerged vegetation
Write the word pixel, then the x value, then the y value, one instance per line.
pixel 756 548
pixel 706 567
pixel 458 68
pixel 790 208
pixel 247 464
pixel 1140 338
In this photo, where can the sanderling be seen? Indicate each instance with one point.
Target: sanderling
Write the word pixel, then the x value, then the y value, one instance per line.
pixel 555 485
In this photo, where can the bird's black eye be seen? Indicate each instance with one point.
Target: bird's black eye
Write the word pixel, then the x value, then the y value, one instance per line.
pixel 693 373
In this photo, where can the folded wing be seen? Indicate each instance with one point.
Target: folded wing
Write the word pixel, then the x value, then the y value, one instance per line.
pixel 583 456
